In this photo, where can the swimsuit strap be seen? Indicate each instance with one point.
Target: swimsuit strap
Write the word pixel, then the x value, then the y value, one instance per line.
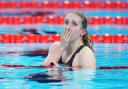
pixel 73 56
pixel 60 61
pixel 69 63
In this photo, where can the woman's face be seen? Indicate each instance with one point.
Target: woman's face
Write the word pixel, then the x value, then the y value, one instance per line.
pixel 73 23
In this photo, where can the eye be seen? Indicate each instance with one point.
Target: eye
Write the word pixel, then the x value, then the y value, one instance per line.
pixel 74 23
pixel 66 21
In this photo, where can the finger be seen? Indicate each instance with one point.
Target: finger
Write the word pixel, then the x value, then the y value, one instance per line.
pixel 69 36
pixel 62 37
pixel 62 34
pixel 67 33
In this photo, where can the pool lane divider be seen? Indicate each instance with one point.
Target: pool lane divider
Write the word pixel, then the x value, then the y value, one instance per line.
pixel 50 38
pixel 50 66
pixel 113 67
pixel 38 52
pixel 23 66
pixel 96 20
pixel 66 4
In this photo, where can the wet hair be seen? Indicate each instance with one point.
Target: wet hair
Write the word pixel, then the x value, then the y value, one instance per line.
pixel 86 39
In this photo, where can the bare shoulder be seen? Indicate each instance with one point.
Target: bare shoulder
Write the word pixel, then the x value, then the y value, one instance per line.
pixel 86 50
pixel 87 58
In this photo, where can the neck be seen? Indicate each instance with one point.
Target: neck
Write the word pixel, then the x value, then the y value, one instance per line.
pixel 74 45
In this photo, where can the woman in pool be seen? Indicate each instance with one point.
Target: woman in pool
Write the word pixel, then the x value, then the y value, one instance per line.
pixel 75 47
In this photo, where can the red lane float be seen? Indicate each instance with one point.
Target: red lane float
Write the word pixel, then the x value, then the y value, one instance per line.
pixel 38 19
pixel 126 20
pixel 106 20
pixel 4 20
pixel 120 38
pixel 50 38
pixel 119 20
pixel 65 4
pixel 6 38
pixel 101 20
pixel 107 38
pixel 88 4
pixel 15 20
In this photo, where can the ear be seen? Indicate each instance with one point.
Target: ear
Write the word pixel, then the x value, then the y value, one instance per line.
pixel 83 32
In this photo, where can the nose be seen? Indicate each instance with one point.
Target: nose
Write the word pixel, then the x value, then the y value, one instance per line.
pixel 67 26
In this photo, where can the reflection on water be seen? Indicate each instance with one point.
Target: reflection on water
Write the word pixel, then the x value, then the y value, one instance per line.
pixel 63 78
pixel 61 74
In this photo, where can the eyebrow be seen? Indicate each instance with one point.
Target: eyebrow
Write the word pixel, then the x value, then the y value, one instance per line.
pixel 65 19
pixel 72 20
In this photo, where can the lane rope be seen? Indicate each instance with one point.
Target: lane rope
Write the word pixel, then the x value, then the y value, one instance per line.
pixel 41 66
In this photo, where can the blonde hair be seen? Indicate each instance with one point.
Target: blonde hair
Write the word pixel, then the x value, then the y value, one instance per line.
pixel 86 39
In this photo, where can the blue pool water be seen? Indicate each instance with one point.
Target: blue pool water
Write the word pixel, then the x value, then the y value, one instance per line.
pixel 106 55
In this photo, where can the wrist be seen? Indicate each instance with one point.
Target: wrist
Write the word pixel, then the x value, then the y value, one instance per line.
pixel 62 49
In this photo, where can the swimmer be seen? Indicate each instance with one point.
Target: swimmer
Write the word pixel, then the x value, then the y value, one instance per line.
pixel 75 46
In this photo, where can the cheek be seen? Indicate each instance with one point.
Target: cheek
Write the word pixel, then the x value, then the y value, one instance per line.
pixel 76 33
pixel 64 26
